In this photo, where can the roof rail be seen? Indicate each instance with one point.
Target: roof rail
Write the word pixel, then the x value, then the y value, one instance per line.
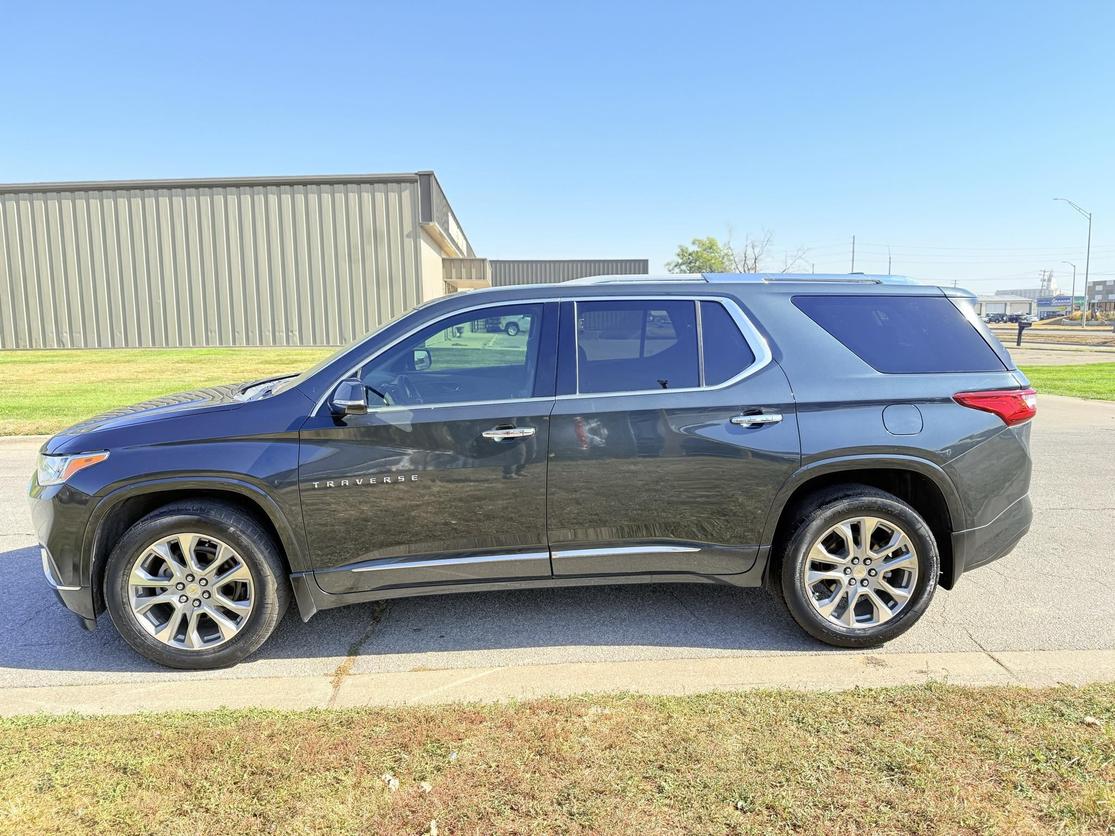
pixel 638 279
pixel 738 278
pixel 811 278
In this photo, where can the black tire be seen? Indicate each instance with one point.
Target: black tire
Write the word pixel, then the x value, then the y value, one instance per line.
pixel 254 545
pixel 827 508
pixel 511 329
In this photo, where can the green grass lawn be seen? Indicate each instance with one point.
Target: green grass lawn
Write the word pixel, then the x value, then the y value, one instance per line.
pixel 934 759
pixel 1092 380
pixel 46 391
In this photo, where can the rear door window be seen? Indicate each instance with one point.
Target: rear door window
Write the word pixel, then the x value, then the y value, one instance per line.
pixel 726 352
pixel 904 334
pixel 637 345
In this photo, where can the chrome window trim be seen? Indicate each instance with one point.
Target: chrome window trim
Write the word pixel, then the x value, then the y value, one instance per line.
pixel 751 335
pixel 700 343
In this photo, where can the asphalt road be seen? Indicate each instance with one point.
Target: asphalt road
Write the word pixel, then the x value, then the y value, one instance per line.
pixel 1056 591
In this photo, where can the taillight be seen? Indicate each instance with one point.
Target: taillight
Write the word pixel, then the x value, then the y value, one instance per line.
pixel 1012 405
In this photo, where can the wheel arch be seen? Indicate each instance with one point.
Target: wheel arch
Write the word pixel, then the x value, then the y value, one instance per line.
pixel 920 483
pixel 120 510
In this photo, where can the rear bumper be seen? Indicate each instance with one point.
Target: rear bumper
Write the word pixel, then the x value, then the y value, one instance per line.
pixel 977 546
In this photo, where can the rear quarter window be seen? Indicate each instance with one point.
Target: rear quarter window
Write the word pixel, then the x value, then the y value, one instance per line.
pixel 903 334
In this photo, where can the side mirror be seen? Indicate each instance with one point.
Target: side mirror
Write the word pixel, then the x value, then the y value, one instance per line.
pixel 422 359
pixel 349 398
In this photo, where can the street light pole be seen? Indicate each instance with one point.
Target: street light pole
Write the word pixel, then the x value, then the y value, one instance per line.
pixel 1087 256
pixel 1072 299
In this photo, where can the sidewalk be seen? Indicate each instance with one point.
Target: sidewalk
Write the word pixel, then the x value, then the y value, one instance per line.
pixel 835 671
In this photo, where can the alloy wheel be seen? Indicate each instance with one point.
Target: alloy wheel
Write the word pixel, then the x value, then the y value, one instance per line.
pixel 861 572
pixel 191 591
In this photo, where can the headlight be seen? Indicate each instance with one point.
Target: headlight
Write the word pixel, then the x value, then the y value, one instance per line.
pixel 54 470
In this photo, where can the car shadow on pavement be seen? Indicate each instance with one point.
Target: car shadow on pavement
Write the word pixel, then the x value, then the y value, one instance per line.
pixel 520 627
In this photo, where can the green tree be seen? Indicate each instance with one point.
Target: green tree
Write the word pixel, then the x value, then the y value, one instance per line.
pixel 707 255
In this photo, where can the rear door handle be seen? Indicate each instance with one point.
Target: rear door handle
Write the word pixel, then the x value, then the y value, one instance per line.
pixel 508 433
pixel 756 420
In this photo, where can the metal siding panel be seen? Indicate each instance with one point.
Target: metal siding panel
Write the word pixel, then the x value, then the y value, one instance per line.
pixel 249 259
pixel 207 268
pixel 151 209
pixel 9 318
pixel 506 273
pixel 309 299
pixel 292 314
pixel 376 278
pixel 280 263
pixel 329 275
pixel 222 297
pixel 356 272
pixel 117 233
pixel 52 337
pixel 100 284
pixel 412 262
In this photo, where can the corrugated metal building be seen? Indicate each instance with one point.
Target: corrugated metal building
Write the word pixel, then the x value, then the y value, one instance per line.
pixel 507 273
pixel 237 261
pixel 240 261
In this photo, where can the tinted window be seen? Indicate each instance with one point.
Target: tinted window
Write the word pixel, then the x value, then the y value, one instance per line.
pixel 903 334
pixel 488 355
pixel 726 351
pixel 636 345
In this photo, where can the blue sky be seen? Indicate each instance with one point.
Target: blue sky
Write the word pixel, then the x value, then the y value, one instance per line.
pixel 943 130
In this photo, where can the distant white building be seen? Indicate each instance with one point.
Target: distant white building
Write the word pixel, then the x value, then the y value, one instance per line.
pixel 1034 293
pixel 1002 303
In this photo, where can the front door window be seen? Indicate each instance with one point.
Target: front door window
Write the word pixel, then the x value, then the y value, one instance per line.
pixel 486 355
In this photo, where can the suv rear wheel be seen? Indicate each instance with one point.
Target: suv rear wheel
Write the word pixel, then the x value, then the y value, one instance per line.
pixel 196 585
pixel 859 568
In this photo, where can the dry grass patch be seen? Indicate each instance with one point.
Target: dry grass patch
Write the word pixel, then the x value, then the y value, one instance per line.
pixel 934 759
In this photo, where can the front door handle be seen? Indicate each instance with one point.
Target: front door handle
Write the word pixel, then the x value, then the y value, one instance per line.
pixel 756 420
pixel 509 433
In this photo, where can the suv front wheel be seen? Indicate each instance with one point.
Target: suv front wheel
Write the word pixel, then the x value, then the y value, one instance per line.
pixel 196 585
pixel 859 568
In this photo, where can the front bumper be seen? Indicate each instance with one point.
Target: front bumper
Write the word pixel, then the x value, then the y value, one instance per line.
pixel 978 546
pixel 60 515
pixel 77 599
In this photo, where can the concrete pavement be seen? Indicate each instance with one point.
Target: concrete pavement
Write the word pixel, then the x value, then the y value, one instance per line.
pixel 1049 354
pixel 1054 595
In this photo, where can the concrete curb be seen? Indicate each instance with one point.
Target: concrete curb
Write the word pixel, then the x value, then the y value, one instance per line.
pixel 812 672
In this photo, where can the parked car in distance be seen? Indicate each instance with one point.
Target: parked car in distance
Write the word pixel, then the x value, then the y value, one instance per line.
pixel 510 325
pixel 851 442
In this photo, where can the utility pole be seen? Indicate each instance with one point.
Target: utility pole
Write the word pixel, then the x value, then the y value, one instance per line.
pixel 889 273
pixel 853 255
pixel 1072 299
pixel 1087 256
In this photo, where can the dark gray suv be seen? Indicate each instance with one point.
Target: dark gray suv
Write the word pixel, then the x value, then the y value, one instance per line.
pixel 850 441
